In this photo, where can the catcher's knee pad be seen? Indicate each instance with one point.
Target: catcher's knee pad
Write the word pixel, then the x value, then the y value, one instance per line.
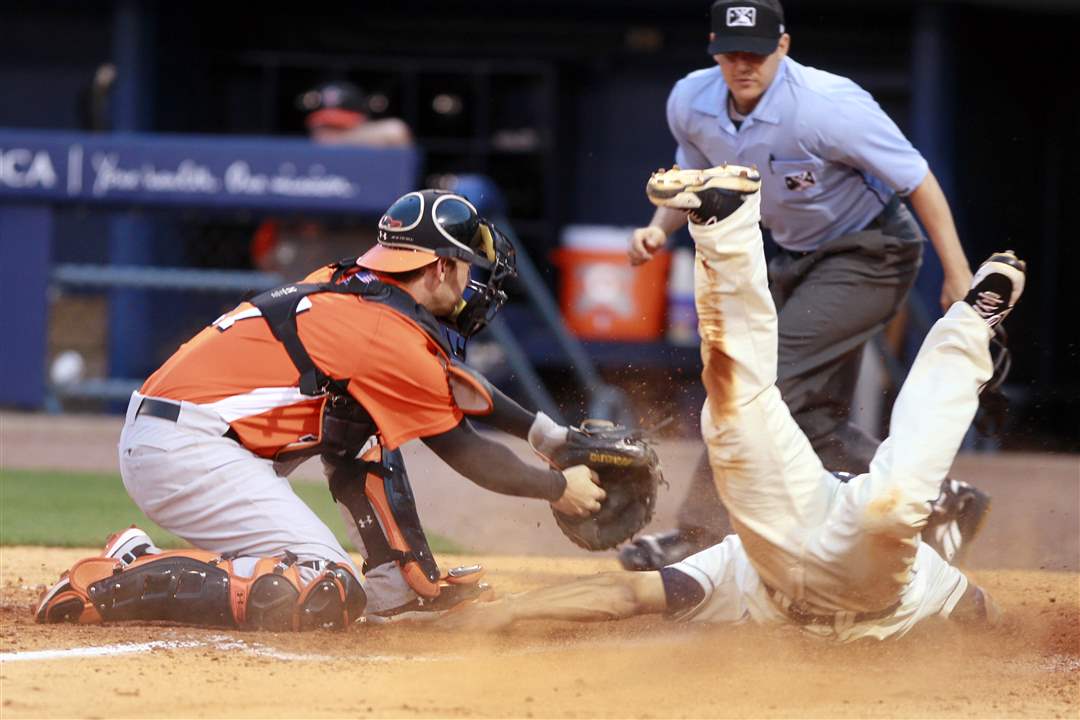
pixel 331 601
pixel 196 587
pixel 377 493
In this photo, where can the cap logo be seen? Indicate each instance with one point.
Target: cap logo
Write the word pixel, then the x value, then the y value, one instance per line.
pixel 741 16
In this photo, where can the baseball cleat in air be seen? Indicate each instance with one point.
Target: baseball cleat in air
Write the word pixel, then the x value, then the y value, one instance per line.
pixel 956 517
pixel 997 286
pixel 708 196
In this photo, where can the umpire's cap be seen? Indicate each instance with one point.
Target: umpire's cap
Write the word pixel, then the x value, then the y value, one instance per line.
pixel 752 26
pixel 423 226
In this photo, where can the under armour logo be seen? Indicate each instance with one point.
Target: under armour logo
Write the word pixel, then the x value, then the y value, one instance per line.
pixel 741 17
pixel 365 522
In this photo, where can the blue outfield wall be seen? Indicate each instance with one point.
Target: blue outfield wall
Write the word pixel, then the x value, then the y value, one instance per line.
pixel 42 170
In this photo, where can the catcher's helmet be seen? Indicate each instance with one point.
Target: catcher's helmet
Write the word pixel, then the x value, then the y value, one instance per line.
pixel 422 226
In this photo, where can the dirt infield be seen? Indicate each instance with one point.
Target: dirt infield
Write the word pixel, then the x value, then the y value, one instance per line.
pixel 1028 556
pixel 643 668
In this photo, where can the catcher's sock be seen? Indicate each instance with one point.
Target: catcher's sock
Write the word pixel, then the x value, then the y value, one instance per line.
pixel 997 286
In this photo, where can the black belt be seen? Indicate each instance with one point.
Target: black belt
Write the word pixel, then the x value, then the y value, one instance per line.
pixel 796 254
pixel 159 408
pixel 801 616
pixel 168 410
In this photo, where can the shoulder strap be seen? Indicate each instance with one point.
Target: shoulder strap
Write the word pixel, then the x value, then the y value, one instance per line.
pixel 370 288
pixel 279 307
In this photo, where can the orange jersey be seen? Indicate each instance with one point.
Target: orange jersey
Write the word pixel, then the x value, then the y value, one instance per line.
pixel 240 370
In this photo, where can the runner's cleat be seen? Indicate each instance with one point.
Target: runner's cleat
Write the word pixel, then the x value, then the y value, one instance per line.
pixel 652 552
pixel 997 286
pixel 708 196
pixel 956 518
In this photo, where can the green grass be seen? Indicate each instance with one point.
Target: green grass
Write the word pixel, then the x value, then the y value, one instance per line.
pixel 69 509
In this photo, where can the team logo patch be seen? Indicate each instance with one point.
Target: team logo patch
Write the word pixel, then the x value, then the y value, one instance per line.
pixel 741 17
pixel 800 181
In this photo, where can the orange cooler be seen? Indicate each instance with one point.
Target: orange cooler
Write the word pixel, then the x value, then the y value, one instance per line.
pixel 603 297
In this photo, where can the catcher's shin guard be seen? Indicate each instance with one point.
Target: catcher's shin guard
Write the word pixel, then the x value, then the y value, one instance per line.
pixel 377 493
pixel 196 587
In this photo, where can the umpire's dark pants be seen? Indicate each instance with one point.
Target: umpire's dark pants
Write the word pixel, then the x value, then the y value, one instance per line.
pixel 829 303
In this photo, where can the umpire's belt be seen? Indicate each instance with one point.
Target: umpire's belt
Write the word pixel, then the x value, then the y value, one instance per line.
pixel 800 615
pixel 186 415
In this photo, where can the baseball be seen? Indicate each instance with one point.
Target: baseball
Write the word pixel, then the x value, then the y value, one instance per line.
pixel 68 367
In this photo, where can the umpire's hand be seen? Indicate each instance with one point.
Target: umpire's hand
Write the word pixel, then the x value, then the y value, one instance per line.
pixel 645 243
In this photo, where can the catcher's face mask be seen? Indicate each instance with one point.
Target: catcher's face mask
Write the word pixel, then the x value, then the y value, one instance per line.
pixel 422 226
pixel 493 264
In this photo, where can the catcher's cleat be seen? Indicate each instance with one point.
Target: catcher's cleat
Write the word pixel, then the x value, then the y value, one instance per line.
pixel 128 545
pixel 656 551
pixel 956 517
pixel 125 547
pixel 997 286
pixel 708 196
pixel 460 586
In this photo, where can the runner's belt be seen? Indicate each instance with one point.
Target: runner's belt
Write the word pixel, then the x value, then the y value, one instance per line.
pixel 800 615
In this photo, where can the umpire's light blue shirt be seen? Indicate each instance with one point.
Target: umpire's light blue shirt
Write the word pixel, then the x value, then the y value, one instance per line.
pixel 829 156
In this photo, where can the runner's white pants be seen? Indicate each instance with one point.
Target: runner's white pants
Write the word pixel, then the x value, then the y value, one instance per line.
pixel 827 546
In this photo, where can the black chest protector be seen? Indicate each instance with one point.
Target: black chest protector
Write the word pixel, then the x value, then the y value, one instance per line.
pixel 346 424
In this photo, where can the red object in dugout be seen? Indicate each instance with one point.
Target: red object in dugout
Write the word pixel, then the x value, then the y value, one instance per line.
pixel 603 297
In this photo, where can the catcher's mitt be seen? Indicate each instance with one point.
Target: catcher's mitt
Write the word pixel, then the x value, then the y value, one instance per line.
pixel 629 473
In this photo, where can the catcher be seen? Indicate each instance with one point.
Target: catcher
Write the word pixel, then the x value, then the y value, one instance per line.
pixel 349 364
pixel 842 560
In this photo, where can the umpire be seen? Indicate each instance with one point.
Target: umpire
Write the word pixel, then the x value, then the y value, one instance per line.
pixel 834 169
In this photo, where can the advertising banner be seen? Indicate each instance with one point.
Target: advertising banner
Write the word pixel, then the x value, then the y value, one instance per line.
pixel 202 171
